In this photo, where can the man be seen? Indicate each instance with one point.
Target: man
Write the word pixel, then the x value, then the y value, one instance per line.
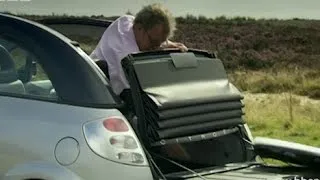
pixel 149 30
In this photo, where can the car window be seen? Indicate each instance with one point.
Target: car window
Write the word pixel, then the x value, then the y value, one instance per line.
pixel 50 67
pixel 25 76
pixel 21 57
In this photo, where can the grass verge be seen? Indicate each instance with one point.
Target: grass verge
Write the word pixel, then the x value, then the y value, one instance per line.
pixel 305 82
pixel 270 115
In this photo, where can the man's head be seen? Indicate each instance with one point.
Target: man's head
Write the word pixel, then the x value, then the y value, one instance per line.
pixel 153 25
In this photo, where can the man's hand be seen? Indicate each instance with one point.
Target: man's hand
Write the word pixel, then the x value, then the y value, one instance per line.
pixel 169 44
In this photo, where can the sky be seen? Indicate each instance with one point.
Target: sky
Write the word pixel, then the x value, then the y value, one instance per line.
pixel 281 9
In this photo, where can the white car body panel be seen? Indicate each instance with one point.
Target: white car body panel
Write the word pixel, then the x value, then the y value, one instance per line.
pixel 25 136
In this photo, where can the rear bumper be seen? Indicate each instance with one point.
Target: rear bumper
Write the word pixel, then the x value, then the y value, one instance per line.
pixel 90 166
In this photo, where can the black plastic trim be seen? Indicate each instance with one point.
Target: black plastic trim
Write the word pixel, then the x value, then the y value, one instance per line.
pixel 75 20
pixel 166 52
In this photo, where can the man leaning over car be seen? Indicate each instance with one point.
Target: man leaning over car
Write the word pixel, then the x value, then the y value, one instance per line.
pixel 149 30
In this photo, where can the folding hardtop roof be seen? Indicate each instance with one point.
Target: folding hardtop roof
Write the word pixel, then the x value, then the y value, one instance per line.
pixel 181 93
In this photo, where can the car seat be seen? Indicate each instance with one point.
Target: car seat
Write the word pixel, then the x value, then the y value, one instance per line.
pixel 9 81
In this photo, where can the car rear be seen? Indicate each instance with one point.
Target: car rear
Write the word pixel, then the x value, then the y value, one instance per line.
pixel 110 149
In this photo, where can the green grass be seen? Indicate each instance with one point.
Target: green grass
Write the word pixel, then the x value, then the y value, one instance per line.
pixel 284 116
pixel 305 82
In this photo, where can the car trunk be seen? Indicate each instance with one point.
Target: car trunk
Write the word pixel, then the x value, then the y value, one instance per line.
pixel 187 109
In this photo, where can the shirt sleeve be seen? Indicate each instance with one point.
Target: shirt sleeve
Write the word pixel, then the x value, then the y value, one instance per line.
pixel 113 55
pixel 115 45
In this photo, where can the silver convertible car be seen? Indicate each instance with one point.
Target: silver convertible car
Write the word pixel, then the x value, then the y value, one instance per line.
pixel 181 118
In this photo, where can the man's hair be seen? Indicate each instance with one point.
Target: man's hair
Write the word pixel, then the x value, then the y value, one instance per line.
pixel 154 14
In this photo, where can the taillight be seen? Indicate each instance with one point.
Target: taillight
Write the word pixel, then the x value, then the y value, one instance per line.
pixel 114 139
pixel 132 157
pixel 123 141
pixel 115 125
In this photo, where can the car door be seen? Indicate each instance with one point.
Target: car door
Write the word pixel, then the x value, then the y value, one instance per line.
pixel 48 89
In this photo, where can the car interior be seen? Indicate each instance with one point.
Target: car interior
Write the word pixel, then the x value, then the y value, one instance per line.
pixel 9 81
pixel 20 80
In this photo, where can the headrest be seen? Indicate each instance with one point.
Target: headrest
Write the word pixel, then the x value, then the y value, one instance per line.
pixel 8 72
